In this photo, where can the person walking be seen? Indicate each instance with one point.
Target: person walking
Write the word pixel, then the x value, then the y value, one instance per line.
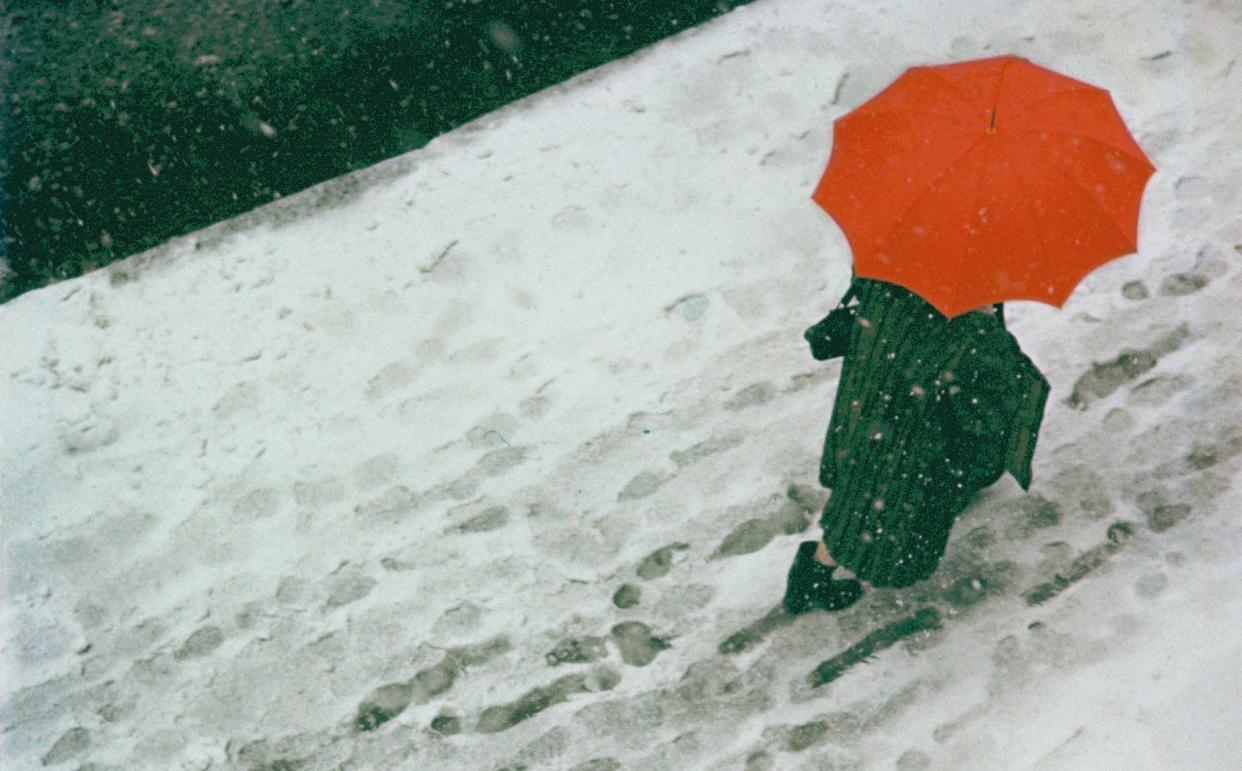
pixel 959 186
pixel 929 410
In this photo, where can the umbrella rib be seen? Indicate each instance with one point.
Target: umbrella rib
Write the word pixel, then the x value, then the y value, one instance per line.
pixel 1000 81
pixel 952 88
pixel 1030 209
pixel 1098 206
pixel 919 198
pixel 869 113
pixel 1092 140
pixel 961 257
pixel 1057 95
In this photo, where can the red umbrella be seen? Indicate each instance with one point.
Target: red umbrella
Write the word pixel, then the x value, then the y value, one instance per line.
pixel 985 181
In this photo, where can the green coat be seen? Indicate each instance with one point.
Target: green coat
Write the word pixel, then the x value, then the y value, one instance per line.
pixel 928 411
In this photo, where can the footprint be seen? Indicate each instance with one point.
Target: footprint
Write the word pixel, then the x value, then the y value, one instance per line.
pixel 644 484
pixel 694 306
pixel 376 470
pixel 1212 262
pixel 752 395
pixel 458 620
pixel 577 650
pixel 811 499
pixel 1118 420
pixel 534 407
pixel 117 703
pixel 1179 284
pixel 627 596
pixel 545 751
pixel 89 615
pixel 392 377
pixel 459 489
pixel 1119 532
pixel 1162 518
pixel 1082 566
pixel 1201 456
pixel 1151 585
pixel 681 600
pixel 498 461
pixel 318 492
pixel 598 764
pixel 979 539
pixel 492 518
pixel 754 534
pixel 504 716
pixel 91 434
pixel 446 724
pixel 242 396
pixel 1083 491
pixel 571 218
pixel 484 351
pixel 388 701
pixel 201 643
pixel 638 646
pixel 288 752
pixel 806 735
pixel 807 379
pixel 920 622
pixel 1155 391
pixel 706 448
pixel 943 732
pixel 291 590
pixel 256 504
pixel 748 537
pixel 434 262
pixel 492 432
pixel 71 743
pixel 345 589
pixel 1034 512
pixel 751 635
pixel 392 505
pixel 1134 290
pixel 1103 379
pixel 914 760
pixel 660 561
pixel 992 580
pixel 382 705
pixel 480 653
pixel 1054 556
pixel 791 518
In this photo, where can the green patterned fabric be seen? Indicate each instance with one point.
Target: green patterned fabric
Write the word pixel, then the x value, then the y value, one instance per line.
pixel 928 411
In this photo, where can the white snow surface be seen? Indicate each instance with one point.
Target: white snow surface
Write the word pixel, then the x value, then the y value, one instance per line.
pixel 415 427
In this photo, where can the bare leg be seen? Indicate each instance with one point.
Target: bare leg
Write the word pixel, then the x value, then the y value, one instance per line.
pixel 822 556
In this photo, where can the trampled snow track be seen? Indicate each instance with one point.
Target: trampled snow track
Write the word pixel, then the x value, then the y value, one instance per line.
pixel 499 459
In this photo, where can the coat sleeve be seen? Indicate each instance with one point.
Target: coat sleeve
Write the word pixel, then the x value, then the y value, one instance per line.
pixel 1024 430
pixel 995 411
pixel 830 337
pixel 985 388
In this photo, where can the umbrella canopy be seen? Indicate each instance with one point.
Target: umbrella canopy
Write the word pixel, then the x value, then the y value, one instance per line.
pixel 984 181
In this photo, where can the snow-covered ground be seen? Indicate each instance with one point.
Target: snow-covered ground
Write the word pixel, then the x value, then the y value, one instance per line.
pixel 495 455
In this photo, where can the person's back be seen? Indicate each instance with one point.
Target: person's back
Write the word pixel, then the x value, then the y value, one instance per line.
pixel 921 421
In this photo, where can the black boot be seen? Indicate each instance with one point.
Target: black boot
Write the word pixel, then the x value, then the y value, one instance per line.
pixel 811 584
